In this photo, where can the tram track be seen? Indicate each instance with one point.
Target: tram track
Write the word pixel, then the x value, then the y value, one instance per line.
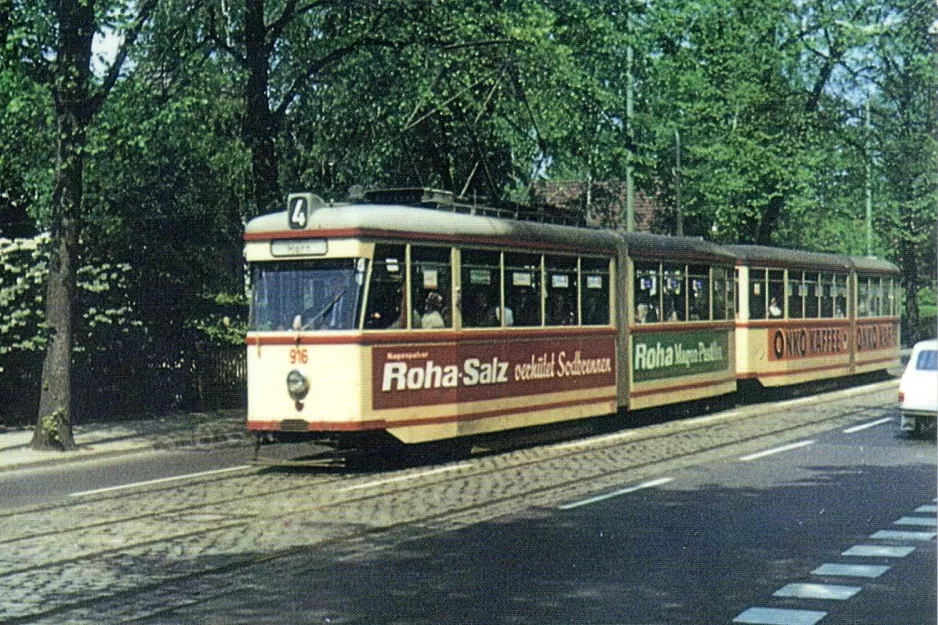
pixel 436 501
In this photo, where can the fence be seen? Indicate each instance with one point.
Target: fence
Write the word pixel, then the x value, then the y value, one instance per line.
pixel 114 385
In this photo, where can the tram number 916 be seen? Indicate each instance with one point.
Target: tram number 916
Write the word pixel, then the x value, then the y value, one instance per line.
pixel 299 355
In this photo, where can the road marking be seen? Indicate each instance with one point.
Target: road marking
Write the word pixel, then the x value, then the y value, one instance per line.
pixel 850 570
pixel 777 450
pixel 866 426
pixel 917 520
pixel 776 616
pixel 897 535
pixel 596 440
pixel 927 509
pixel 817 591
pixel 624 491
pixel 878 551
pixel 409 476
pixel 161 480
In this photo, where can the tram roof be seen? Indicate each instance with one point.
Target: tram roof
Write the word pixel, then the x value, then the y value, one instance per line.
pixel 647 245
pixel 406 222
pixel 765 256
pixel 874 265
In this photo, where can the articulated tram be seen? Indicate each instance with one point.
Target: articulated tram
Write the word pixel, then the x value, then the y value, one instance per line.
pixel 382 317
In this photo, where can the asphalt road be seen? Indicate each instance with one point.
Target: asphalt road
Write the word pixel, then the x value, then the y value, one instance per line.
pixel 46 485
pixel 788 536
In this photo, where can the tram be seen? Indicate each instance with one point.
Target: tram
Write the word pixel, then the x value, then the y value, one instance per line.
pixel 806 316
pixel 410 315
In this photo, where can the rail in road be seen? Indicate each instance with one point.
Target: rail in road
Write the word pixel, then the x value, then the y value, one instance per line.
pixel 135 552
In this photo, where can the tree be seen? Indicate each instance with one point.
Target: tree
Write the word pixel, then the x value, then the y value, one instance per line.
pixel 76 100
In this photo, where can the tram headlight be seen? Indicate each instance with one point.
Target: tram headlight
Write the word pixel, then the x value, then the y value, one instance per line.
pixel 297 385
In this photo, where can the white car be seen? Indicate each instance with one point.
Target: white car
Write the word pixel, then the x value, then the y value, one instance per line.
pixel 918 388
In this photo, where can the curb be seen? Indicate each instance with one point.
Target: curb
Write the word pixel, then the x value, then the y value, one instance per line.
pixel 208 434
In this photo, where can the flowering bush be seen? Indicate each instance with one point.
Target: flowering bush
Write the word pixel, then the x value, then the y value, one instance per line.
pixel 102 298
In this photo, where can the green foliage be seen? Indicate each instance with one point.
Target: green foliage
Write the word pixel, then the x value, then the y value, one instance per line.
pixel 103 301
pixel 485 98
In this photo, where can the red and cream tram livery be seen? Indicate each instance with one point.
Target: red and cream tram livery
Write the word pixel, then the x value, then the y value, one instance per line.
pixel 875 329
pixel 426 324
pixel 680 323
pixel 806 316
pixel 431 324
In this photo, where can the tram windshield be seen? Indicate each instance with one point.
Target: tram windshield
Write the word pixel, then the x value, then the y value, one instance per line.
pixel 307 295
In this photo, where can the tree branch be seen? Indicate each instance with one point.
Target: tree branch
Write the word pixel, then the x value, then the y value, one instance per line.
pixel 97 100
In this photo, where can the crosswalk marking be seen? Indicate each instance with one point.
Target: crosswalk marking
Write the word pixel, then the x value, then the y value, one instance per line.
pixel 777 616
pixel 850 570
pixel 927 509
pixel 915 520
pixel 817 591
pixel 898 535
pixel 878 551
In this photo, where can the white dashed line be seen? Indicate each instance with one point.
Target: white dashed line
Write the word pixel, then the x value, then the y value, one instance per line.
pixel 776 616
pixel 777 450
pixel 624 491
pixel 866 426
pixel 878 551
pixel 850 570
pixel 897 535
pixel 817 591
pixel 162 480
pixel 917 520
pixel 401 478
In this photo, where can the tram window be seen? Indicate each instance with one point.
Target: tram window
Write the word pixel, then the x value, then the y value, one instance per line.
pixel 699 292
pixel 839 291
pixel 876 297
pixel 776 294
pixel 811 295
pixel 863 296
pixel 523 288
pixel 731 303
pixel 827 295
pixel 594 291
pixel 561 290
pixel 719 293
pixel 307 295
pixel 674 293
pixel 757 294
pixel 430 282
pixel 646 293
pixel 890 296
pixel 386 305
pixel 795 293
pixel 481 290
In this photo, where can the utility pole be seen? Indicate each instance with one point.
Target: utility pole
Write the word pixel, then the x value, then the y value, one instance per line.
pixel 869 184
pixel 629 111
pixel 677 183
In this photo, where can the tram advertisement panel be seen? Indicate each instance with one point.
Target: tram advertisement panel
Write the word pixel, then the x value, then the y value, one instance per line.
pixel 425 375
pixel 795 343
pixel 873 336
pixel 668 355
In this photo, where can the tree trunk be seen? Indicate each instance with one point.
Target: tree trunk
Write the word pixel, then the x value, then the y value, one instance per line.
pixel 73 113
pixel 260 126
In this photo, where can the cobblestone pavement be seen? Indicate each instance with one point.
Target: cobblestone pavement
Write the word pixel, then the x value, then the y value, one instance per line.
pixel 138 554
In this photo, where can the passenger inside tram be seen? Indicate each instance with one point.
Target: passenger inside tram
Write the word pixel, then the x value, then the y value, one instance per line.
pixel 432 317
